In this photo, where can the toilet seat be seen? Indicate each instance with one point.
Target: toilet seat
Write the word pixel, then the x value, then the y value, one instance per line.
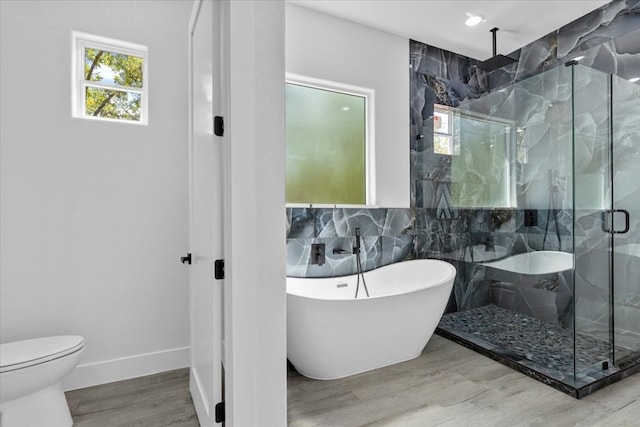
pixel 22 354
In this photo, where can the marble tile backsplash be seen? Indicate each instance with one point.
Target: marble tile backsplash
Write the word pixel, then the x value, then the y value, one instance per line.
pixel 386 238
pixel 394 235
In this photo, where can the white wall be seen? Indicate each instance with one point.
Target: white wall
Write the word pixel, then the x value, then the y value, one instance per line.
pixel 255 335
pixel 94 214
pixel 329 48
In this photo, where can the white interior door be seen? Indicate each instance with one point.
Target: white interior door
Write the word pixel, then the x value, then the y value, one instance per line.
pixel 205 205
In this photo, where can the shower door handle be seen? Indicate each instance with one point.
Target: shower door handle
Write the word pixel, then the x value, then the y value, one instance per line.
pixel 606 223
pixel 626 221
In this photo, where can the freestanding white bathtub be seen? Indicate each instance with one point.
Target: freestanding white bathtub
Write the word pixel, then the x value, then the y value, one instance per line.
pixel 332 335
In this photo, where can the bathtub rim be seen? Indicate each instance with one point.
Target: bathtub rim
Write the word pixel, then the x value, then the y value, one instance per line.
pixel 449 278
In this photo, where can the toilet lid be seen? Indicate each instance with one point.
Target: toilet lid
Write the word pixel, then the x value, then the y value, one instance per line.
pixel 21 354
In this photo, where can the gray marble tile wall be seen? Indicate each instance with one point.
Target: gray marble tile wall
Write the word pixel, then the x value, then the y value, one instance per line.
pixel 386 238
pixel 609 38
pixel 393 235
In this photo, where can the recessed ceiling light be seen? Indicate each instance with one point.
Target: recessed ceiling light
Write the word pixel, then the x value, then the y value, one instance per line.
pixel 473 20
pixel 634 79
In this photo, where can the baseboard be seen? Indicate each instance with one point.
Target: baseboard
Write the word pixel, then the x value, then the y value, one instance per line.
pixel 202 408
pixel 107 371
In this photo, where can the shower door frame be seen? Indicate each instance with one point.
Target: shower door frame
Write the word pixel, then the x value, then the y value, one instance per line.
pixel 616 232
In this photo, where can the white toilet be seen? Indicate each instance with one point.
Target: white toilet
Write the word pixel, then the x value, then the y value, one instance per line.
pixel 30 373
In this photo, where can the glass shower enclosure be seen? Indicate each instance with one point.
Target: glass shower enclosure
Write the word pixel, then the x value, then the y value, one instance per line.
pixel 554 289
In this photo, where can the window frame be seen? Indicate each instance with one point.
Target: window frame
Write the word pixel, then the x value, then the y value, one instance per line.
pixel 81 41
pixel 510 149
pixel 369 143
pixel 449 112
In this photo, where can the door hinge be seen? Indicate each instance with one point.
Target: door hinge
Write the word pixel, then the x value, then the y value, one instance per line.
pixel 218 269
pixel 218 125
pixel 219 412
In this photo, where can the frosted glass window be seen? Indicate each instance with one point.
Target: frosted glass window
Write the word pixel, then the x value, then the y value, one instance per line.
pixel 325 146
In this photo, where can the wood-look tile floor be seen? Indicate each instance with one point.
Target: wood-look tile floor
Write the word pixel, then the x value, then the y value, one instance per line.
pixel 152 401
pixel 448 385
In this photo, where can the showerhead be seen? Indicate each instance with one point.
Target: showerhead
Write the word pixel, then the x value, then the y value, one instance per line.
pixel 496 61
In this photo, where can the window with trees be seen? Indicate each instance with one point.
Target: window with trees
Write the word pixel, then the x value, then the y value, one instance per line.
pixel 109 79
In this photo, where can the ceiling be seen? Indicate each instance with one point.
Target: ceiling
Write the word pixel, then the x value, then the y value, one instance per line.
pixel 440 23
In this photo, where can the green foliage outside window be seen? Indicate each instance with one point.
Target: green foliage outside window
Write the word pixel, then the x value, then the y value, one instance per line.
pixel 117 70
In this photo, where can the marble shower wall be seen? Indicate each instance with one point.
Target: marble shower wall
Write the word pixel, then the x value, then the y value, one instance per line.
pixel 535 94
pixel 608 37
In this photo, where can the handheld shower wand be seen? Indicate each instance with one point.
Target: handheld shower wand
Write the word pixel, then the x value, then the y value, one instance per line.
pixel 356 251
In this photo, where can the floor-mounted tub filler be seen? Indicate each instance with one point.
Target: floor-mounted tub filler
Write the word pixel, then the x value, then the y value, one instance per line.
pixel 330 334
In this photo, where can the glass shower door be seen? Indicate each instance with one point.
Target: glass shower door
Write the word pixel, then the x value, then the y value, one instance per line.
pixel 625 198
pixel 592 207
